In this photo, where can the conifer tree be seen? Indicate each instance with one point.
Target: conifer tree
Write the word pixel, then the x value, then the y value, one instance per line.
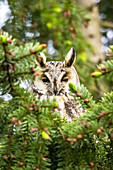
pixel 32 133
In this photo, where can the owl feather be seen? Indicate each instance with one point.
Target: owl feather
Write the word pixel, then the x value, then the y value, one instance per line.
pixel 53 83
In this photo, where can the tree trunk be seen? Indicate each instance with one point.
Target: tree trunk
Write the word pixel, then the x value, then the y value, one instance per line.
pixel 92 30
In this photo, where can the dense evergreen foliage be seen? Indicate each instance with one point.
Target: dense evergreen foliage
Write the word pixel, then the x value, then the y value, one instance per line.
pixel 32 133
pixel 57 24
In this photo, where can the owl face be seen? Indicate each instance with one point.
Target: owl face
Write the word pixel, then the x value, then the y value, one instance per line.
pixel 55 75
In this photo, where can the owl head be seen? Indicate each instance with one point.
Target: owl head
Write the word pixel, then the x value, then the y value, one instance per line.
pixel 55 75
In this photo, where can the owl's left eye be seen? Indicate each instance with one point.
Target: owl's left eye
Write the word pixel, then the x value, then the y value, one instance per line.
pixel 45 79
pixel 65 79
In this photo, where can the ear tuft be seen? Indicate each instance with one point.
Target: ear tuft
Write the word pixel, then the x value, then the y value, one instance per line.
pixel 70 58
pixel 41 60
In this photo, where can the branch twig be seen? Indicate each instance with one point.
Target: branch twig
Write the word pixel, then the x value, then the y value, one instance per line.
pixel 8 74
pixel 106 24
pixel 24 56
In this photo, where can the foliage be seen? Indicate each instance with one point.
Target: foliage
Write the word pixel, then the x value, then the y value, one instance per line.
pixel 57 24
pixel 43 21
pixel 32 133
pixel 106 9
pixel 106 68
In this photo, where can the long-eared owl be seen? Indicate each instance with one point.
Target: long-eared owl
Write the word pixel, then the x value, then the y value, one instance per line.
pixel 53 82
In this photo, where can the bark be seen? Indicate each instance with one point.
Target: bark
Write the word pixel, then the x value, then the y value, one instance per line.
pixel 92 31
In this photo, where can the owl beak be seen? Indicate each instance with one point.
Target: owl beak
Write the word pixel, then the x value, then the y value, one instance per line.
pixel 55 90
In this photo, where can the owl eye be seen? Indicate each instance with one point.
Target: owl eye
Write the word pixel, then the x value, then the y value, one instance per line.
pixel 64 78
pixel 45 79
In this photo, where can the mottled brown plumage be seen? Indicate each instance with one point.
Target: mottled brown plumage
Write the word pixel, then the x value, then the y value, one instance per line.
pixel 53 82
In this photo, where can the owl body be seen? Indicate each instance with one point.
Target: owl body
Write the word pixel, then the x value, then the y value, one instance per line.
pixel 52 83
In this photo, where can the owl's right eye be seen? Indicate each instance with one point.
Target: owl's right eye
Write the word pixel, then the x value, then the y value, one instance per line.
pixel 45 79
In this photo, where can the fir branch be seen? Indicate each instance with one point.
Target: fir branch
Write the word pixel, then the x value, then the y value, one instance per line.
pixel 79 94
pixel 7 66
pixel 24 56
pixel 37 49
pixel 23 73
pixel 102 114
pixel 100 73
pixel 107 71
pixel 10 137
